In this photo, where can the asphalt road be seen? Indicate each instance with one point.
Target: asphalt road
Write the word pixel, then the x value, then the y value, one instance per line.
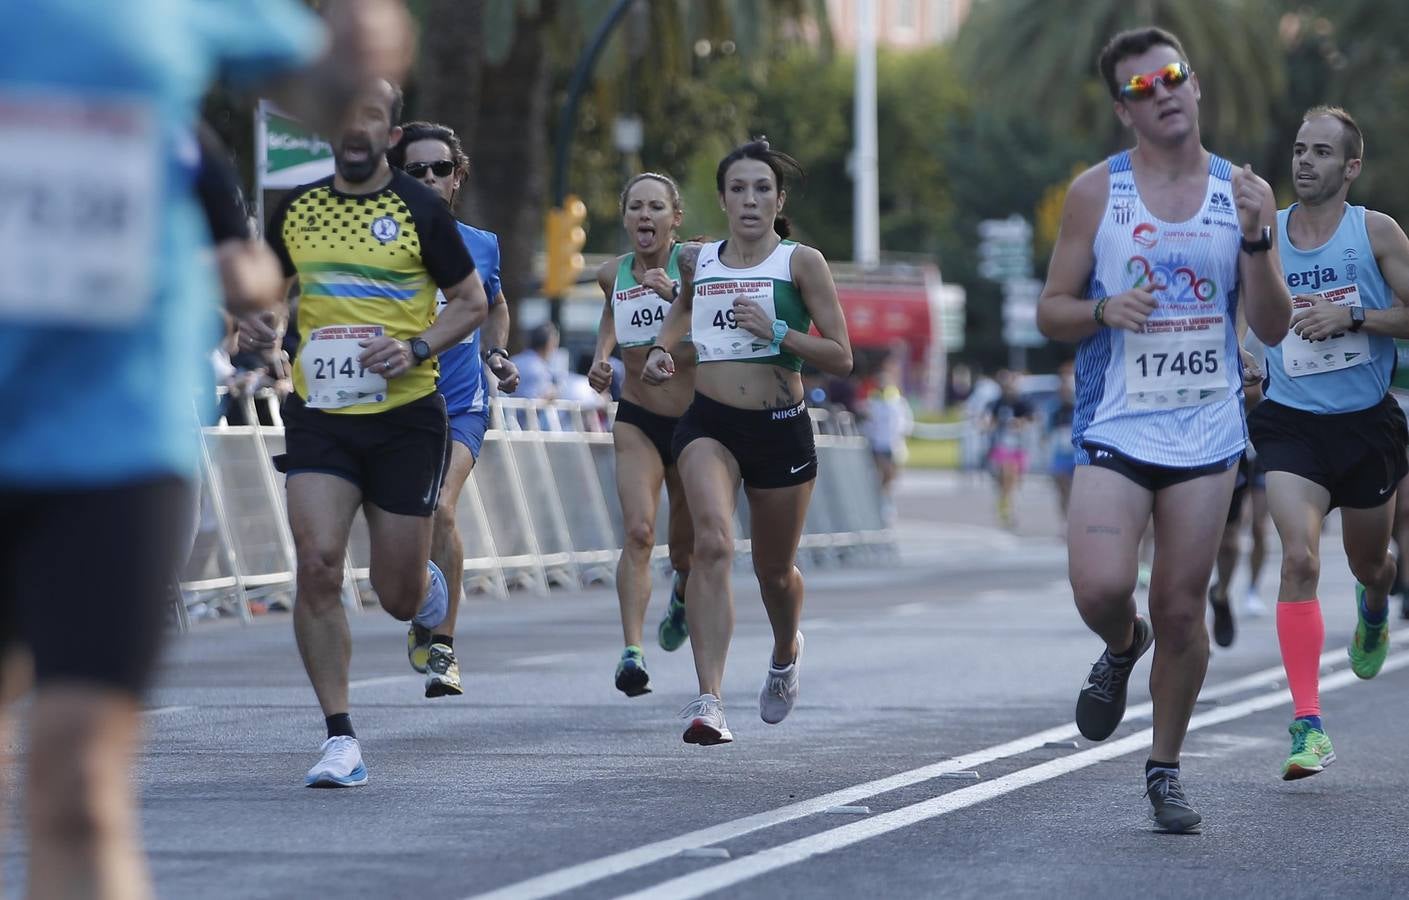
pixel 936 713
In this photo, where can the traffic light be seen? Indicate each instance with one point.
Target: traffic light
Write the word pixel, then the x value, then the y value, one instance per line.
pixel 563 239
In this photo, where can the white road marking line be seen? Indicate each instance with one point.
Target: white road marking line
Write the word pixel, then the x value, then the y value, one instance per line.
pixel 163 710
pixel 545 659
pixel 384 679
pixel 575 876
pixel 701 882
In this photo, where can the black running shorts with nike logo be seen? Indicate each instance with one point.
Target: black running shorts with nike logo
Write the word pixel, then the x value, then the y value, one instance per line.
pixel 1358 456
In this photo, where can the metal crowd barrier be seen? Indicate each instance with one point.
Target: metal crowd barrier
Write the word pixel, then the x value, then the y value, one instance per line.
pixel 539 509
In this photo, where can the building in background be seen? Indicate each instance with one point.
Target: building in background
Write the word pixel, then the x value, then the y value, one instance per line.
pixel 901 24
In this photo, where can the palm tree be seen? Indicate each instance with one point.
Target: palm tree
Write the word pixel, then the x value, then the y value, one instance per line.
pixel 506 114
pixel 1039 57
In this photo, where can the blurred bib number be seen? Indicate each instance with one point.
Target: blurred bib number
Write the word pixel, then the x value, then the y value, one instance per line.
pixel 331 373
pixel 1176 361
pixel 716 334
pixel 639 313
pixel 79 209
pixel 1301 357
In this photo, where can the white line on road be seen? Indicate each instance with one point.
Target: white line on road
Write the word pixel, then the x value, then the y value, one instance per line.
pixel 384 679
pixel 571 877
pixel 544 659
pixel 163 710
pixel 698 883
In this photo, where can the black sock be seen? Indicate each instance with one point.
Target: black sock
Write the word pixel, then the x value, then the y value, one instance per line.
pixel 446 639
pixel 1134 645
pixel 1154 765
pixel 340 724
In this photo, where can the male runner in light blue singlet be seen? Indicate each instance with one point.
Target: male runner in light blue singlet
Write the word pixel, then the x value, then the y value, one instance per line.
pixel 1159 248
pixel 1328 434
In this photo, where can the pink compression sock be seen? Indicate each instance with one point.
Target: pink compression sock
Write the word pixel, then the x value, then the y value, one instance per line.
pixel 1302 634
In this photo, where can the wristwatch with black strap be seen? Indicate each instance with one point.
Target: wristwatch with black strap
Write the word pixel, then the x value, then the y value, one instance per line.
pixel 420 350
pixel 1261 245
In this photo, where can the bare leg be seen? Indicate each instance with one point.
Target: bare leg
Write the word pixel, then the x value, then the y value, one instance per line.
pixel 321 508
pixel 711 479
pixel 447 550
pixel 776 520
pixel 1108 515
pixel 639 473
pixel 1188 521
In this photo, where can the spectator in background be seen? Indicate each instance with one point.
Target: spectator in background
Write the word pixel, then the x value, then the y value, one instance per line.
pixel 961 385
pixel 1059 435
pixel 887 424
pixel 538 380
pixel 982 392
pixel 1006 420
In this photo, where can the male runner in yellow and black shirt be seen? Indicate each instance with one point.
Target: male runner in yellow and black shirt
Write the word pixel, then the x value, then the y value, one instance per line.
pixel 365 425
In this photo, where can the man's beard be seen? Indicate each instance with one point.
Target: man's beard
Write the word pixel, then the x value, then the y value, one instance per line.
pixel 358 170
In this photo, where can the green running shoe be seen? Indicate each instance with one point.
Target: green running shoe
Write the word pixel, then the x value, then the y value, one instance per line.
pixel 1371 642
pixel 1311 751
pixel 673 629
pixel 632 679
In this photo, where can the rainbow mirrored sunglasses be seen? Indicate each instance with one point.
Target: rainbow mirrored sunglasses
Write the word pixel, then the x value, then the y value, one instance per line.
pixel 1142 87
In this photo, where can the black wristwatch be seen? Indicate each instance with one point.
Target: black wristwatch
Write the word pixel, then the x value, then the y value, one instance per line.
pixel 1357 318
pixel 1261 245
pixel 496 351
pixel 420 350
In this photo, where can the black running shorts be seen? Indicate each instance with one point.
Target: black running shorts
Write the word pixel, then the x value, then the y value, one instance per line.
pixel 86 578
pixel 773 447
pixel 657 428
pixel 1358 456
pixel 1151 477
pixel 396 457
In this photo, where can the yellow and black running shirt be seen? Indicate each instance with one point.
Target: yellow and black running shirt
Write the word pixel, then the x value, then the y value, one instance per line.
pixel 367 265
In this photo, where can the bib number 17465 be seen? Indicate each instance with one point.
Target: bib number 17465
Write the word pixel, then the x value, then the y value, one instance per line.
pixel 1193 362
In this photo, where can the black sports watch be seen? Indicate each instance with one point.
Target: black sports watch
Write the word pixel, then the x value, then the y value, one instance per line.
pixel 496 351
pixel 420 350
pixel 1357 318
pixel 1261 245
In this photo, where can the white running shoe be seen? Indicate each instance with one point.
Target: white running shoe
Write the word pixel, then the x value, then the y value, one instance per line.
pixel 341 765
pixel 780 689
pixel 1253 607
pixel 707 725
pixel 436 605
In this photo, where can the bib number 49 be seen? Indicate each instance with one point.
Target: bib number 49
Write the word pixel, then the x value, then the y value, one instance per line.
pixel 724 318
pixel 1194 362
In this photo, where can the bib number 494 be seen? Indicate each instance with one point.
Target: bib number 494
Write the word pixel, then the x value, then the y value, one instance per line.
pixel 1193 362
pixel 645 318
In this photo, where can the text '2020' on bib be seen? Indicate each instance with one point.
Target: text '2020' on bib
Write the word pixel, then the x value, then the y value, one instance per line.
pixel 716 334
pixel 77 251
pixel 1301 357
pixel 333 376
pixel 1176 361
pixel 638 312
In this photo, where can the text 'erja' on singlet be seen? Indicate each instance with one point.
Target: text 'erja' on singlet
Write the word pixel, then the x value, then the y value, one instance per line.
pixel 769 283
pixel 1170 395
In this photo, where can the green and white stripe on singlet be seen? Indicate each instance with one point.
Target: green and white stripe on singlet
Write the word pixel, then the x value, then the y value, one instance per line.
pixel 637 310
pixel 770 284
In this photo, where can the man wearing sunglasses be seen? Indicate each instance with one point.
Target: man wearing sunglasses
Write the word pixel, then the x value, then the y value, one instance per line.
pixel 1163 250
pixel 1329 434
pixel 432 153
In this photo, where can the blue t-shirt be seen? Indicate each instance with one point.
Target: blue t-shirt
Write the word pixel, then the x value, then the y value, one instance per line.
pixel 463 380
pixel 108 315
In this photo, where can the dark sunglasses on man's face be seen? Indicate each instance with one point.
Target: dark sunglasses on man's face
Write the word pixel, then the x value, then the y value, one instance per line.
pixel 441 168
